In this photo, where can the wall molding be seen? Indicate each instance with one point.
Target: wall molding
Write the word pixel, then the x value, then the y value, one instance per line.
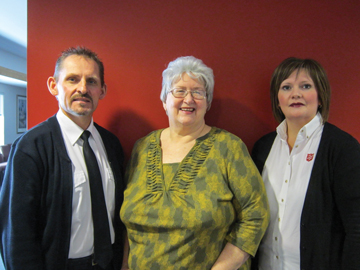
pixel 13 74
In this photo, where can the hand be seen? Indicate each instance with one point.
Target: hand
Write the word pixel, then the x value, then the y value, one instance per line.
pixel 231 258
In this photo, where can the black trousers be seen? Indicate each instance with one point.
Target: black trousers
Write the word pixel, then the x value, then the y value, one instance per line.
pixel 85 263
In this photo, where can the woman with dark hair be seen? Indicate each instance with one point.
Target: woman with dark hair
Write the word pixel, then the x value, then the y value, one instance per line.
pixel 311 172
pixel 194 198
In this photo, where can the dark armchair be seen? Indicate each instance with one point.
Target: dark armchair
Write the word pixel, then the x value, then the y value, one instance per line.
pixel 4 154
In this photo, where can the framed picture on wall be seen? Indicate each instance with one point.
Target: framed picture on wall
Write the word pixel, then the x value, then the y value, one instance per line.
pixel 21 116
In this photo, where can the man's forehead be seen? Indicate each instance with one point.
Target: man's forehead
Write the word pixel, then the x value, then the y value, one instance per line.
pixel 76 63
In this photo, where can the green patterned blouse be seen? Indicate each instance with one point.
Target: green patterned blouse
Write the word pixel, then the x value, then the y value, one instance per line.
pixel 183 220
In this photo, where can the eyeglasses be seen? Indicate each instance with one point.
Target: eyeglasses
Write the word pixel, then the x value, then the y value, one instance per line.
pixel 182 93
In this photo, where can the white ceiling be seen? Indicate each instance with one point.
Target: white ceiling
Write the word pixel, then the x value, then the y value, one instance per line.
pixel 13 20
pixel 13 32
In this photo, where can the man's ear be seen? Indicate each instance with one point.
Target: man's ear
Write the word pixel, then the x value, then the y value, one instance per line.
pixel 51 84
pixel 103 91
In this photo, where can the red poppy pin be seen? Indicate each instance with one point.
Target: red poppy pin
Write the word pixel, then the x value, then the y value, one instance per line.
pixel 309 157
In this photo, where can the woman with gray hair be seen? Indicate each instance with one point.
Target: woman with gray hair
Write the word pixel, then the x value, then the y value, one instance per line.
pixel 194 198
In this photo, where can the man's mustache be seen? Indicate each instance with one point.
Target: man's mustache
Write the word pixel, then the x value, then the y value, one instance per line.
pixel 82 96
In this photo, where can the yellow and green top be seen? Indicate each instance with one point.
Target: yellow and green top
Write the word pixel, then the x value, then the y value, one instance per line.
pixel 180 216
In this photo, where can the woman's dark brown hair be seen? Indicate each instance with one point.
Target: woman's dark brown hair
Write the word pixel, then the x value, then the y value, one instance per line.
pixel 316 73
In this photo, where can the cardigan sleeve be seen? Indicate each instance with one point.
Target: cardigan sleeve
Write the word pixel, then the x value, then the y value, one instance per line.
pixel 346 177
pixel 259 155
pixel 35 201
pixel 262 149
pixel 19 210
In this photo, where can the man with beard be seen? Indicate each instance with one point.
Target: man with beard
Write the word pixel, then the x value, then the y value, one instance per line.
pixel 62 190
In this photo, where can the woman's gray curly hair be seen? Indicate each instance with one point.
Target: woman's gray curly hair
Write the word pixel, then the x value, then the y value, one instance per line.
pixel 194 68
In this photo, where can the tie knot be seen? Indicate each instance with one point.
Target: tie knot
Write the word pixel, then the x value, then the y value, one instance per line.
pixel 85 135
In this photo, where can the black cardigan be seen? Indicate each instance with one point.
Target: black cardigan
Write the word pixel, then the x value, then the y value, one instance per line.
pixel 36 199
pixel 330 219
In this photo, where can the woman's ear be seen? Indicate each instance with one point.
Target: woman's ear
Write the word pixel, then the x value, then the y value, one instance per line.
pixel 164 106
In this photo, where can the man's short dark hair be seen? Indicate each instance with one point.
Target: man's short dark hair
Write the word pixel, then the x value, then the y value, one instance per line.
pixel 80 51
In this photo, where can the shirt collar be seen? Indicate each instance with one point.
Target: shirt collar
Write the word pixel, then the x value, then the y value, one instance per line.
pixel 70 129
pixel 305 132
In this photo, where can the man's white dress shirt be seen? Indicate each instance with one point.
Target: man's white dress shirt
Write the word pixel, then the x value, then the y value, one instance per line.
pixel 82 235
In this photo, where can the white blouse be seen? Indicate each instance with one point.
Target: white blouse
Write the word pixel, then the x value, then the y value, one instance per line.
pixel 286 177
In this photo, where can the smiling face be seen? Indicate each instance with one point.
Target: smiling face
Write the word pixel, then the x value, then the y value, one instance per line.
pixel 186 111
pixel 298 98
pixel 78 88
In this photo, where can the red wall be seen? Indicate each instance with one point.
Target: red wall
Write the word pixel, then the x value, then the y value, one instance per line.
pixel 243 41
